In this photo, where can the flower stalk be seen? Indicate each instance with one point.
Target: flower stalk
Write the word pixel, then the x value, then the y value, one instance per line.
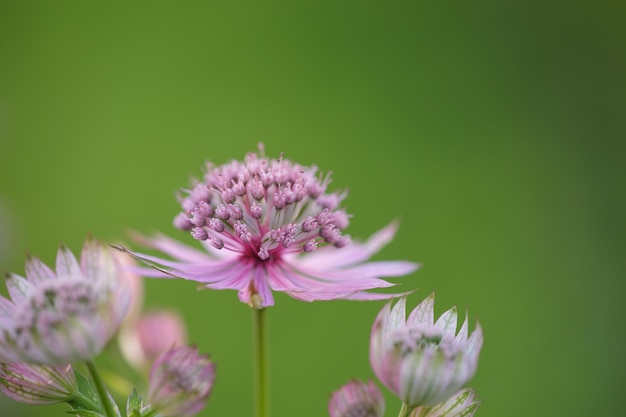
pixel 100 389
pixel 405 410
pixel 261 385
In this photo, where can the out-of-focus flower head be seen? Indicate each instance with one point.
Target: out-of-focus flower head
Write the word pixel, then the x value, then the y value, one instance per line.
pixel 357 399
pixel 422 361
pixel 55 318
pixel 151 335
pixel 180 382
pixel 270 225
pixel 135 284
pixel 461 404
pixel 37 384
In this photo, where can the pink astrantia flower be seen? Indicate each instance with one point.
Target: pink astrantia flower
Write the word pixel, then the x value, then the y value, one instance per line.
pixel 55 318
pixel 357 399
pixel 180 382
pixel 422 361
pixel 270 225
pixel 36 384
pixel 154 333
pixel 461 404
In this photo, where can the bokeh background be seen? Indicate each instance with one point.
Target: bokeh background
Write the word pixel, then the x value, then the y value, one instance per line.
pixel 494 131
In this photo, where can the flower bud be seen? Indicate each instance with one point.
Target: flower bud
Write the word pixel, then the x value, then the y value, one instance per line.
pixel 153 334
pixel 422 361
pixel 180 382
pixel 357 399
pixel 36 384
pixel 461 404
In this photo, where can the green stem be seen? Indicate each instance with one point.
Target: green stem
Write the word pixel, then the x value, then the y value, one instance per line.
pixel 260 364
pixel 101 389
pixel 405 410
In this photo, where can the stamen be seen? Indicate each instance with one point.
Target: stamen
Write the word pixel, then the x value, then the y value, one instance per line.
pixel 199 233
pixel 242 231
pixel 228 196
pixel 181 221
pixel 256 210
pixel 235 212
pixel 310 246
pixel 216 242
pixel 309 224
pixel 222 212
pixel 263 253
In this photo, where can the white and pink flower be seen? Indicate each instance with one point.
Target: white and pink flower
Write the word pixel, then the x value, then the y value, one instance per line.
pixel 59 317
pixel 270 225
pixel 423 361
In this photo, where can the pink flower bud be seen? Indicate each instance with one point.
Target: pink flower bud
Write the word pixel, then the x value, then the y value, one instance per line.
pixel 180 382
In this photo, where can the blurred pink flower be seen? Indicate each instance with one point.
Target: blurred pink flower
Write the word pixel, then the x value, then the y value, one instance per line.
pixel 461 404
pixel 151 335
pixel 357 398
pixel 269 225
pixel 58 318
pixel 36 384
pixel 134 284
pixel 423 362
pixel 180 382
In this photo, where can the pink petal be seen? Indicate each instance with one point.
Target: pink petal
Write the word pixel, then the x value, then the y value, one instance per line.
pixel 19 288
pixel 447 321
pixel 172 247
pixel 66 264
pixel 352 254
pixel 37 271
pixel 424 312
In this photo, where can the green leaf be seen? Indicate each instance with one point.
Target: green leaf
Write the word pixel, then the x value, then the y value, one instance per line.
pixel 86 388
pixel 133 405
pixel 114 406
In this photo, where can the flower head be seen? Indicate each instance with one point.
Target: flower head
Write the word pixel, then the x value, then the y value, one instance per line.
pixel 357 399
pixel 461 404
pixel 422 361
pixel 151 335
pixel 60 317
pixel 36 384
pixel 180 382
pixel 270 225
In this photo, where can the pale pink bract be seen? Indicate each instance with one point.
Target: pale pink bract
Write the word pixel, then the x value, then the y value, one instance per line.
pixel 269 225
pixel 38 384
pixel 461 404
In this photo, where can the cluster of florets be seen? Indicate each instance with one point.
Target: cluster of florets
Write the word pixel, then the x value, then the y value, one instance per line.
pixel 56 317
pixel 262 207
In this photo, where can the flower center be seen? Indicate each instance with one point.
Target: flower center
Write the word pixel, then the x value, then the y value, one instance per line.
pixel 53 305
pixel 265 207
pixel 415 339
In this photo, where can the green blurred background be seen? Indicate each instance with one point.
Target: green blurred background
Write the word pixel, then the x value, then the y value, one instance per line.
pixel 493 130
